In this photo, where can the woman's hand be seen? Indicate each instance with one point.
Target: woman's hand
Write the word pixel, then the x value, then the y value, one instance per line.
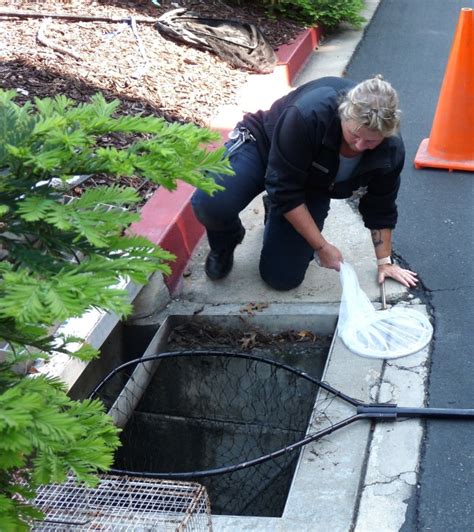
pixel 405 277
pixel 328 256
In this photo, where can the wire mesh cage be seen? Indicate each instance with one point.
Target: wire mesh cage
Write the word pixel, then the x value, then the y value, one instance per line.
pixel 121 503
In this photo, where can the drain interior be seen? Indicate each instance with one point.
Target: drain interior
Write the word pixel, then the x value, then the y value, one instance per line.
pixel 196 413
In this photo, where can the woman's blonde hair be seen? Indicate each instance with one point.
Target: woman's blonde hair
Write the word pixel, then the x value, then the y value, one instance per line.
pixel 372 104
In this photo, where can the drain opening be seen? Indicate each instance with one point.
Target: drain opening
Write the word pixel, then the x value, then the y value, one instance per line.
pixel 197 413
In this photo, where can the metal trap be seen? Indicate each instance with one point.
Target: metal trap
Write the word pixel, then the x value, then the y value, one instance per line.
pixel 122 503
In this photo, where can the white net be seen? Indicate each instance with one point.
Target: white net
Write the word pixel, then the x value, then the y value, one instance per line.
pixel 392 333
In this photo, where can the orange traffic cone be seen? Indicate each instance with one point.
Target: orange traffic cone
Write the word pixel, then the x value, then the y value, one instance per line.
pixel 451 142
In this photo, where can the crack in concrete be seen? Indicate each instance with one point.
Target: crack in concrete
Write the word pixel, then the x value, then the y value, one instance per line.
pixel 387 388
pixel 392 479
pixel 409 369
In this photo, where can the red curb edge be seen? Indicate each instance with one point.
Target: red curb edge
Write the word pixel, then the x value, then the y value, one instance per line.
pixel 167 218
pixel 293 56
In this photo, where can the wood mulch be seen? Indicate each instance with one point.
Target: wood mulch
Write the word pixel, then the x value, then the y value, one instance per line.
pixel 146 72
pixel 179 82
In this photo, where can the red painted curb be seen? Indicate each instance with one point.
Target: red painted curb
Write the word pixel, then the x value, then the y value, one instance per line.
pixel 167 218
pixel 293 56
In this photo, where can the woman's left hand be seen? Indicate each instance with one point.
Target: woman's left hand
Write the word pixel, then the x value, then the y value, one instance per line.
pixel 405 277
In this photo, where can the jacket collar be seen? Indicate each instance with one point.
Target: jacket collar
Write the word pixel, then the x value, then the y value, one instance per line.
pixel 376 159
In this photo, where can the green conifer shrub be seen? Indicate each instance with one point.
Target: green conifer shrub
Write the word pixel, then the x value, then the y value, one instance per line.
pixel 61 258
pixel 327 13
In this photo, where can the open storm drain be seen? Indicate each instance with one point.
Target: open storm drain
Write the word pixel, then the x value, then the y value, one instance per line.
pixel 234 422
pixel 204 415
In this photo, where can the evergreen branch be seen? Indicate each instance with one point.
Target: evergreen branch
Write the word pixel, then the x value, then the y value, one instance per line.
pixel 64 259
pixel 85 217
pixel 42 421
pixel 34 336
pixel 30 299
pixel 15 515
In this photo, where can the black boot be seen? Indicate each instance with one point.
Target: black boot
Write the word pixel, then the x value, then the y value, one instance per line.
pixel 219 263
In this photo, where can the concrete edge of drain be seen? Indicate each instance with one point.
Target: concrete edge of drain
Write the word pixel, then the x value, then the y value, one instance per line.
pixel 340 477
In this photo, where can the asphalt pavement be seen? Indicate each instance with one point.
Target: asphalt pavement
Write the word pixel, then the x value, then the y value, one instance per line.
pixel 409 43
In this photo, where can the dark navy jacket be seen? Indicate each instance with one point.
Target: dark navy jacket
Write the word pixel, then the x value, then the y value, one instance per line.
pixel 299 139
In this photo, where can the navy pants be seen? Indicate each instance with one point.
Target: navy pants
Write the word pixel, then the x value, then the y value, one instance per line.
pixel 285 254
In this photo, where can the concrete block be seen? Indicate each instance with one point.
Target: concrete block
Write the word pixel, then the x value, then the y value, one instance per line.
pixel 379 511
pixel 152 298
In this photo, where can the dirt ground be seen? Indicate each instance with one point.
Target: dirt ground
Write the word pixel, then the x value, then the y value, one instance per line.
pixel 147 72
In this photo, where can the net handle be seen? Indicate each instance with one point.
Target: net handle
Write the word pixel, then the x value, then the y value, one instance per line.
pixel 392 411
pixel 229 354
pixel 363 411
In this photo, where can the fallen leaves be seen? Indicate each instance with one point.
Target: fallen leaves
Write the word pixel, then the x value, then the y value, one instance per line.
pixel 251 308
pixel 200 334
